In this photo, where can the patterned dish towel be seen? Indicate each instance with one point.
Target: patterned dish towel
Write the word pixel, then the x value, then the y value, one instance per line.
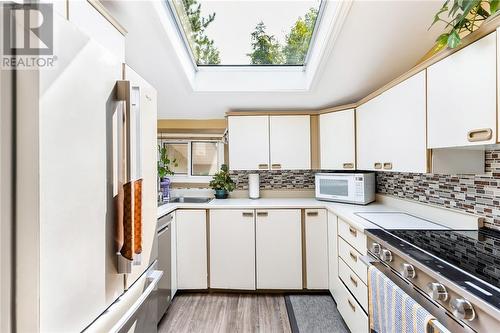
pixel 393 310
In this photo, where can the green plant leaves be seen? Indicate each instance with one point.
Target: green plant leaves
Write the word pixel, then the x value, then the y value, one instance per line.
pixel 494 6
pixel 222 180
pixel 453 39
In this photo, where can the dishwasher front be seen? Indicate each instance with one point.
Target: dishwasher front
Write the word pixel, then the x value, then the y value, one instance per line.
pixel 164 264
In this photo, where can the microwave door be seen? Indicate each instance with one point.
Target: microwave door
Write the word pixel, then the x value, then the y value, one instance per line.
pixel 338 188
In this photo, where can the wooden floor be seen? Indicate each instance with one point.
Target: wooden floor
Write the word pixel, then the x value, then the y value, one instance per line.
pixel 226 312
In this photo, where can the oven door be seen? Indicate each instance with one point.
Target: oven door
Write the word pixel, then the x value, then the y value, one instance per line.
pixel 336 188
pixel 443 322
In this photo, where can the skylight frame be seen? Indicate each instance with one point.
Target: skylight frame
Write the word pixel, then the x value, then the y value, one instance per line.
pixel 182 34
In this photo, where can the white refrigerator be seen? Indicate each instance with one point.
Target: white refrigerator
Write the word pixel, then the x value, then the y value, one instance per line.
pixel 69 157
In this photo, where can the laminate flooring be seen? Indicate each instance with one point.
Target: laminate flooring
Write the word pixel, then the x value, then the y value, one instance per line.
pixel 226 312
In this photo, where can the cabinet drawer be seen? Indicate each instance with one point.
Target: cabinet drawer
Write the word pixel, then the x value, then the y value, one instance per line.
pixel 353 236
pixel 353 315
pixel 351 258
pixel 354 284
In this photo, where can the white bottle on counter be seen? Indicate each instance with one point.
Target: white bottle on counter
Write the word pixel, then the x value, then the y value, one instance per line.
pixel 253 186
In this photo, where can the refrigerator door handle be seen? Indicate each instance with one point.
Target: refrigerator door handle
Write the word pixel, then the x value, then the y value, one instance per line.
pixel 153 279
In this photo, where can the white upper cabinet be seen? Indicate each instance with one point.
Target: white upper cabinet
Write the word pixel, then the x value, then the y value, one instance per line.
pixel 337 140
pixel 461 92
pixel 269 142
pixel 248 142
pixel 391 129
pixel 290 142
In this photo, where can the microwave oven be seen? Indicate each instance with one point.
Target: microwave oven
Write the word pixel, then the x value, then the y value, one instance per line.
pixel 356 188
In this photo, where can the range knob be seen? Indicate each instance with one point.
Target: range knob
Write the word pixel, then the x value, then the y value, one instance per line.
pixel 408 271
pixel 462 309
pixel 376 249
pixel 386 255
pixel 438 292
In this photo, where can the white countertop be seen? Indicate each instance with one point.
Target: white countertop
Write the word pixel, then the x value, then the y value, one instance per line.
pixel 344 211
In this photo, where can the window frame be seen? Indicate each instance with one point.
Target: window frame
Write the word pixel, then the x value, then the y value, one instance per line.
pixel 182 35
pixel 189 177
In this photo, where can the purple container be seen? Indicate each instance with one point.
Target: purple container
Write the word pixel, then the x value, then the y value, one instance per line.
pixel 165 189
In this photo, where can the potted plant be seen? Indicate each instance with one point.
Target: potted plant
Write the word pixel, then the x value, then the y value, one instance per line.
pixel 222 183
pixel 163 165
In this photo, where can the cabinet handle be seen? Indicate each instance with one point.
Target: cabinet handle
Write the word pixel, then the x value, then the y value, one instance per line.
pixel 353 231
pixel 247 214
pixel 312 213
pixel 351 305
pixel 276 166
pixel 263 166
pixel 348 165
pixel 262 214
pixel 483 134
pixel 387 166
pixel 353 256
pixel 377 165
pixel 354 281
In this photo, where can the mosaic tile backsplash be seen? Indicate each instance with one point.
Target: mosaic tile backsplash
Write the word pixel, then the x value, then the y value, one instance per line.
pixel 276 179
pixel 477 194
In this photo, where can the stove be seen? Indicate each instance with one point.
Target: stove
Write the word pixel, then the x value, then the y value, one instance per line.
pixel 455 275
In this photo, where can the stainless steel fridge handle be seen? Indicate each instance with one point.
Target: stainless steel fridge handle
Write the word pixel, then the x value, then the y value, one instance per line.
pixel 153 278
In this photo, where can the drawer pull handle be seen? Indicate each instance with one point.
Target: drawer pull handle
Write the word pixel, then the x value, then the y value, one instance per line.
pixel 263 166
pixel 351 305
pixel 387 166
pixel 377 165
pixel 276 166
pixel 483 134
pixel 353 256
pixel 247 214
pixel 353 231
pixel 354 281
pixel 262 213
pixel 312 213
pixel 348 165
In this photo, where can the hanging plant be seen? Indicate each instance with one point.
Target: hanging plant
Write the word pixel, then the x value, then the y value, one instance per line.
pixel 164 162
pixel 464 17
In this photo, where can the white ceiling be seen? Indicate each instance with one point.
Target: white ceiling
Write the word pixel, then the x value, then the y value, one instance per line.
pixel 378 41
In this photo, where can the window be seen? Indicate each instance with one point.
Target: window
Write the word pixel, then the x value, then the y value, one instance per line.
pixel 246 33
pixel 197 160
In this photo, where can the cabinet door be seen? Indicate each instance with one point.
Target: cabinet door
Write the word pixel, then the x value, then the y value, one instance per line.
pixel 462 96
pixel 173 253
pixel 333 262
pixel 232 249
pixel 248 142
pixel 391 129
pixel 191 249
pixel 316 249
pixel 337 140
pixel 290 142
pixel 279 249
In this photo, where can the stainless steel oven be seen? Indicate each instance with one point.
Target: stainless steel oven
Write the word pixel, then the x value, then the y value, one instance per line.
pixel 164 264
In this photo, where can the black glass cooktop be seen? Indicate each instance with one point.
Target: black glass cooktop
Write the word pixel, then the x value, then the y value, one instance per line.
pixel 475 253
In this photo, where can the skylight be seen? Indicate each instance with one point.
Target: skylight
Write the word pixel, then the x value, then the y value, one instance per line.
pixel 247 32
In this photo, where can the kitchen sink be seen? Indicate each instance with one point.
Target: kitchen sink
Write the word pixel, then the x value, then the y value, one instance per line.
pixel 191 199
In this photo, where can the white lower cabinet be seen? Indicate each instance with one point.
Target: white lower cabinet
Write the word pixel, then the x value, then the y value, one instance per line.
pixel 191 249
pixel 352 313
pixel 173 254
pixel 333 260
pixel 232 249
pixel 316 232
pixel 352 258
pixel 357 287
pixel 278 249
